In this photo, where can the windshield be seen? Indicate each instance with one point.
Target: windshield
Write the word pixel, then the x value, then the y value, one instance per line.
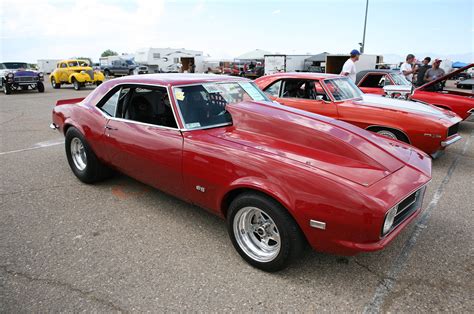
pixel 14 65
pixel 400 79
pixel 343 88
pixel 130 62
pixel 204 105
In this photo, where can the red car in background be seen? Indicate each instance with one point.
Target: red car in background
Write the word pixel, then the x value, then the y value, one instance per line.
pixel 435 93
pixel 281 177
pixel 427 127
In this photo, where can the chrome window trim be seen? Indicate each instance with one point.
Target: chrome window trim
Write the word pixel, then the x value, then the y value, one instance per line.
pixel 201 83
pixel 121 85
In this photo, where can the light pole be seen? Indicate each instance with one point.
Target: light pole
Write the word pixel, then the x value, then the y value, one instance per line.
pixel 362 45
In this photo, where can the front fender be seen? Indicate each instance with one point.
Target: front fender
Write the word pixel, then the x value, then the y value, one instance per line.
pixel 80 77
pixel 98 76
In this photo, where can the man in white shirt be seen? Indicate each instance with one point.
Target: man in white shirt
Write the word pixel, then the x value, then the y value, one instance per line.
pixel 407 68
pixel 349 67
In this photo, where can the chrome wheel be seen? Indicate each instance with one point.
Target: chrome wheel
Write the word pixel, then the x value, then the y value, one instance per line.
pixel 387 134
pixel 256 234
pixel 78 154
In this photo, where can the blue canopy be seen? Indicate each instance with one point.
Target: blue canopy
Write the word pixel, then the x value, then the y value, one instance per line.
pixel 459 64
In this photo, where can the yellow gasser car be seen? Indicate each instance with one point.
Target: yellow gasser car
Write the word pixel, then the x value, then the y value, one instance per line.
pixel 76 72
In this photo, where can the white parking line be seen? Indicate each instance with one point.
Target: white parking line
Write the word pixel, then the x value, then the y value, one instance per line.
pixel 388 283
pixel 36 146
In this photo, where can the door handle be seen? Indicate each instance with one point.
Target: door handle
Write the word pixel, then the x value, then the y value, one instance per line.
pixel 110 128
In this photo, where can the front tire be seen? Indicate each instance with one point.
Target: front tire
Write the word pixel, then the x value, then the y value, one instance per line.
pixel 54 84
pixel 263 232
pixel 7 88
pixel 391 133
pixel 83 162
pixel 76 84
pixel 40 87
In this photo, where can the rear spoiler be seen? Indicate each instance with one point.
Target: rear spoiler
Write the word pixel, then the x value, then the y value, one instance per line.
pixel 69 101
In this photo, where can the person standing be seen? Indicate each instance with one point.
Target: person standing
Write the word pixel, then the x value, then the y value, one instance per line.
pixel 435 73
pixel 408 68
pixel 349 67
pixel 420 76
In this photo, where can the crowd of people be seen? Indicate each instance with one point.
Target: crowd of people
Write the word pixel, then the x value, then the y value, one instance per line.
pixel 417 74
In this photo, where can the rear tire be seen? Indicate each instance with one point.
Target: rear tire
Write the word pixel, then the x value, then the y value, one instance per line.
pixel 40 87
pixel 263 232
pixel 77 85
pixel 54 84
pixel 107 73
pixel 83 162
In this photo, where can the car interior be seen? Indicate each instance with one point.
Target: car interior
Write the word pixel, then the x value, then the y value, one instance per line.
pixel 306 89
pixel 374 80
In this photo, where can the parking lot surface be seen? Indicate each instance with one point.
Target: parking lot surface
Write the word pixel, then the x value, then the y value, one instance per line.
pixel 123 246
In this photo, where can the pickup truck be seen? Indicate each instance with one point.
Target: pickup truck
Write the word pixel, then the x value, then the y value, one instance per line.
pixel 121 67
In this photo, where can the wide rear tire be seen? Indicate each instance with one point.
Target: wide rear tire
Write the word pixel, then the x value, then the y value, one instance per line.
pixel 263 232
pixel 83 162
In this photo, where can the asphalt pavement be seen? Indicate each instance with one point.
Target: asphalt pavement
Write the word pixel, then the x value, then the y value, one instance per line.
pixel 123 246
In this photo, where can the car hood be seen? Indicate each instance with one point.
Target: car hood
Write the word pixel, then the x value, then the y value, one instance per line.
pixel 404 106
pixel 445 77
pixel 317 142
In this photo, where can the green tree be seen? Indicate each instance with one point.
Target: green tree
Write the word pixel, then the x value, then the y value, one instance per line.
pixel 109 53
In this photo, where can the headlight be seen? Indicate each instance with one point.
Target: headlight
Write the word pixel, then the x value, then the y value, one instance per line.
pixel 40 74
pixel 10 74
pixel 389 217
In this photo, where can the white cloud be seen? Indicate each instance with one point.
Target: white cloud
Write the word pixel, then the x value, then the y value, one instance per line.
pixel 276 12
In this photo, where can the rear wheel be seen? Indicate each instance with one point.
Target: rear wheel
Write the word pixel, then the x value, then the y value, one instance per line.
pixel 40 87
pixel 82 160
pixel 107 73
pixel 76 84
pixel 263 232
pixel 55 84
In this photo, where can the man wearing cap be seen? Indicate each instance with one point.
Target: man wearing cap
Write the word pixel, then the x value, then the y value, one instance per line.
pixel 349 68
pixel 407 68
pixel 434 73
pixel 420 76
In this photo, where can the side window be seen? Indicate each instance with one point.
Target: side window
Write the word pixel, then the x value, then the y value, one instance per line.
pixel 149 105
pixel 274 89
pixel 110 106
pixel 373 80
pixel 63 65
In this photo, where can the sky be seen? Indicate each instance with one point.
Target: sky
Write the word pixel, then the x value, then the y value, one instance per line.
pixel 54 29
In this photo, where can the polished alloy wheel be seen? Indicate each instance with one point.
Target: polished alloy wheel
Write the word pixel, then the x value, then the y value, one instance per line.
pixel 387 134
pixel 78 154
pixel 256 234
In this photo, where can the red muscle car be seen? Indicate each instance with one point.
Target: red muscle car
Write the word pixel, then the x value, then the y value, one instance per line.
pixel 280 177
pixel 424 126
pixel 434 93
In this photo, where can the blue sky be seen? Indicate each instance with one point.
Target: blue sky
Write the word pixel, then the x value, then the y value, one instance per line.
pixel 43 29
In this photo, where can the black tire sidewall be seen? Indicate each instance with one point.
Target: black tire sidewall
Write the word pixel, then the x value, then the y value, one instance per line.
pixel 76 84
pixel 90 173
pixel 40 87
pixel 290 234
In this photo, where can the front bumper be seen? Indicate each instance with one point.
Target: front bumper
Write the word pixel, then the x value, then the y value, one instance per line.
pixel 451 140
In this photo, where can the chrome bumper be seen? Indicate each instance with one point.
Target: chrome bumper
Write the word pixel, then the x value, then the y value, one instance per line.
pixel 53 126
pixel 453 140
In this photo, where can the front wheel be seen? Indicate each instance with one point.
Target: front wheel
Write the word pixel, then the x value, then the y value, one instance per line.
pixel 40 87
pixel 7 88
pixel 82 160
pixel 98 83
pixel 76 84
pixel 263 232
pixel 55 84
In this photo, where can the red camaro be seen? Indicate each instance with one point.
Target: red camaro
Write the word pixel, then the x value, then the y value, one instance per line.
pixel 281 177
pixel 424 126
pixel 435 93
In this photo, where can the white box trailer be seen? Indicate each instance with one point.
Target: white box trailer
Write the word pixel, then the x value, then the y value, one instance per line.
pixel 284 63
pixel 47 65
pixel 170 59
pixel 334 62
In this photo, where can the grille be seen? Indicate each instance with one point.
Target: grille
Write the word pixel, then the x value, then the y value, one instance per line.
pixel 26 79
pixel 91 74
pixel 453 129
pixel 408 206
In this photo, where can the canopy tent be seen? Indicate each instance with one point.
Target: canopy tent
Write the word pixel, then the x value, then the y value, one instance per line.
pixel 458 64
pixel 256 54
pixel 319 57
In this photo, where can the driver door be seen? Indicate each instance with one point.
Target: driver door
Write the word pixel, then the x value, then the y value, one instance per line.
pixel 307 95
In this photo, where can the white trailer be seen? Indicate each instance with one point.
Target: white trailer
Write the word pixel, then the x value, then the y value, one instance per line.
pixel 284 63
pixel 47 65
pixel 334 62
pixel 170 59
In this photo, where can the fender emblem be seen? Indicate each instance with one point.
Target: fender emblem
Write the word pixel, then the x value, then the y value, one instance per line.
pixel 200 188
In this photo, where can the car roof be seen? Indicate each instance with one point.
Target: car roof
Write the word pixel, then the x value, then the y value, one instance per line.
pixel 305 75
pixel 178 78
pixel 362 73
